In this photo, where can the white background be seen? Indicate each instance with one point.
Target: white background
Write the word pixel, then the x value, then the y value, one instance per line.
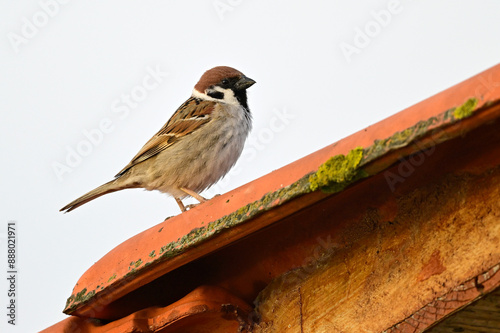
pixel 68 72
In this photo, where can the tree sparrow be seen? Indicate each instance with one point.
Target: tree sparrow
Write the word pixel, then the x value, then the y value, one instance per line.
pixel 196 147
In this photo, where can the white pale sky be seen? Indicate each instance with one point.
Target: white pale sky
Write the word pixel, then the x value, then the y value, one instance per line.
pixel 84 84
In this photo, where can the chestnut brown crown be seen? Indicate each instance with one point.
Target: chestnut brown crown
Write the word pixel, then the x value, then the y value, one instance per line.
pixel 216 75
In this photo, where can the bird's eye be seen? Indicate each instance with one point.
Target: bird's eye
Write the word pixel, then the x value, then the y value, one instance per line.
pixel 225 81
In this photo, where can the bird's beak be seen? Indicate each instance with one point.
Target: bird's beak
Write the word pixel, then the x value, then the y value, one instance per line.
pixel 244 83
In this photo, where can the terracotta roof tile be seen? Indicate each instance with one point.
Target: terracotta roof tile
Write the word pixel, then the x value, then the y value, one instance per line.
pixel 234 215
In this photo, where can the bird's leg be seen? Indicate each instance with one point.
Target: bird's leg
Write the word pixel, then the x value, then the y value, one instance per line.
pixel 193 194
pixel 181 205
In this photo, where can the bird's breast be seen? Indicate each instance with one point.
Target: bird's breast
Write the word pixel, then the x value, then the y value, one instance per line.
pixel 200 159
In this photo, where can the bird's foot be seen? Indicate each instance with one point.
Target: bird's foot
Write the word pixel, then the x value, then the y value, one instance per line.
pixel 192 206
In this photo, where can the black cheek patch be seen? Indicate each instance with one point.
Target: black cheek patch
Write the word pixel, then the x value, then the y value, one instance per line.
pixel 216 94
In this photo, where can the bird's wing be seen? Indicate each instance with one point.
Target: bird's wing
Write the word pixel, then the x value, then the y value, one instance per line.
pixel 188 118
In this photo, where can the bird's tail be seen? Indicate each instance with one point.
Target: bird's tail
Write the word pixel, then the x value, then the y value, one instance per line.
pixel 109 187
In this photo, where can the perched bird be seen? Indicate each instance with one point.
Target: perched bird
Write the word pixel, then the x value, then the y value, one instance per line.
pixel 196 147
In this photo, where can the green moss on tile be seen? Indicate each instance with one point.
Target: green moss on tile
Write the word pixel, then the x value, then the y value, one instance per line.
pixel 407 136
pixel 338 172
pixel 80 297
pixel 134 264
pixel 70 300
pixel 130 273
pixel 112 277
pixel 152 254
pixel 395 141
pixel 417 131
pixel 243 214
pixel 465 110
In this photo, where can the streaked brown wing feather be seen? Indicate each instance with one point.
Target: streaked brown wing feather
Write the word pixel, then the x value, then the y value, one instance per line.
pixel 189 117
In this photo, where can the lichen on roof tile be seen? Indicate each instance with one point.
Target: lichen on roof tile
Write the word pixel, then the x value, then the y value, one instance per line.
pixel 465 110
pixel 338 172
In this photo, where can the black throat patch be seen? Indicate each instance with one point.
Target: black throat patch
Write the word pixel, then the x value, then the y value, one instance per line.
pixel 216 94
pixel 241 96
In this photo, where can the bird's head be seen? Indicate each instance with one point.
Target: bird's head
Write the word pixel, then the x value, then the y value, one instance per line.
pixel 223 84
